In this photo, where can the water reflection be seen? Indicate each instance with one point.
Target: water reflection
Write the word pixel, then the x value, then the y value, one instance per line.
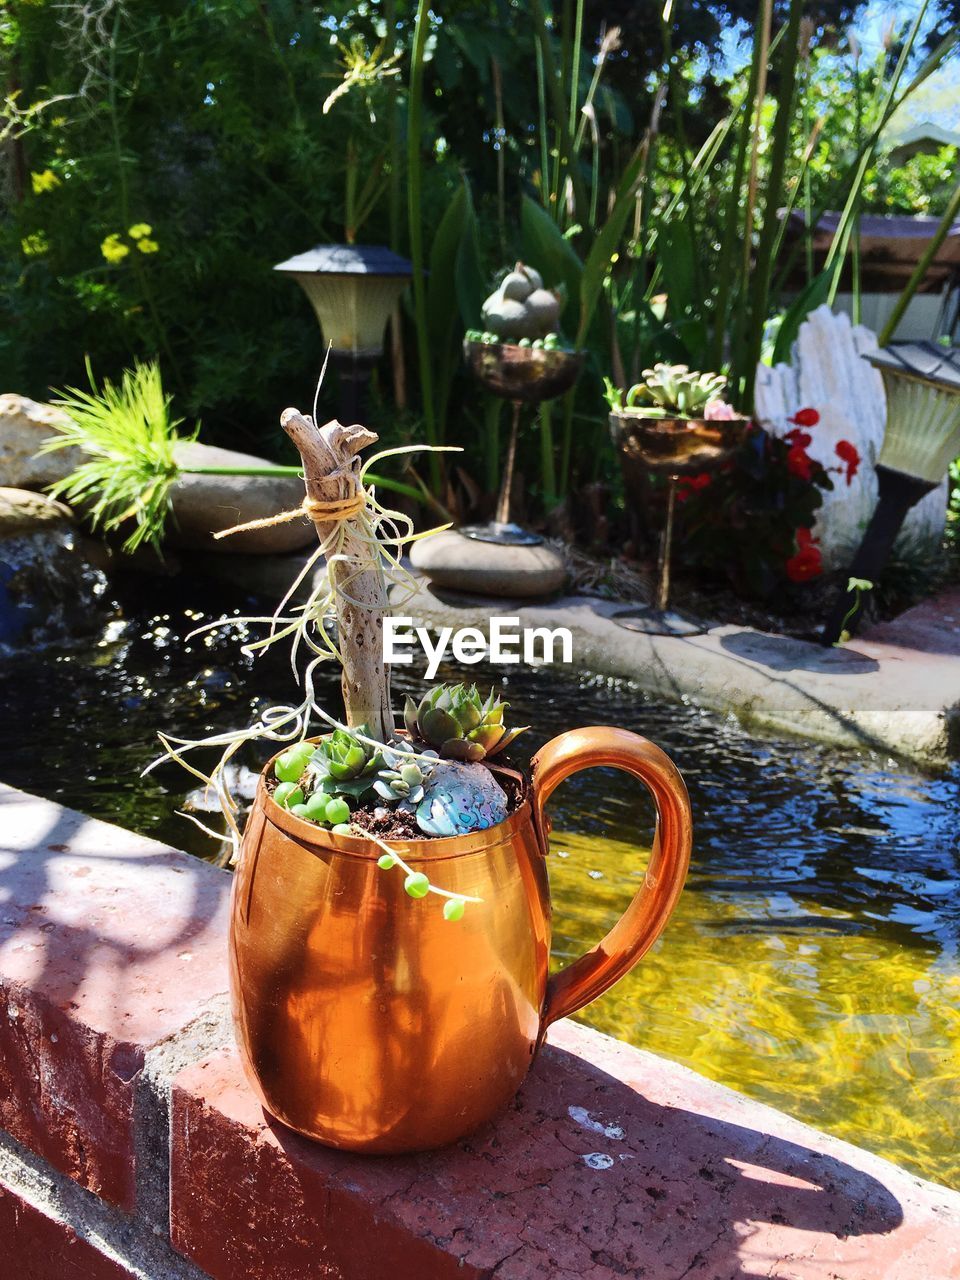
pixel 813 962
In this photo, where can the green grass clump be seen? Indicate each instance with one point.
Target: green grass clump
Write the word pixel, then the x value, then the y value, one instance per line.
pixel 128 436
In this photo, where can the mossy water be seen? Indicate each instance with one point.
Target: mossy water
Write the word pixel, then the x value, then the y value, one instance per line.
pixel 813 961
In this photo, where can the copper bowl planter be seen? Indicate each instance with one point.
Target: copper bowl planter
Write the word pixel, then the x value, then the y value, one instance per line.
pixel 369 1022
pixel 675 446
pixel 527 374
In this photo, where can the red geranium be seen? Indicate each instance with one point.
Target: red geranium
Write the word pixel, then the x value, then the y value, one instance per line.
pixel 799 462
pixel 692 484
pixel 848 455
pixel 807 563
pixel 805 418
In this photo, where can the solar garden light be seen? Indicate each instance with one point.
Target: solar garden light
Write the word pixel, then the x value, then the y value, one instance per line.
pixel 922 437
pixel 352 288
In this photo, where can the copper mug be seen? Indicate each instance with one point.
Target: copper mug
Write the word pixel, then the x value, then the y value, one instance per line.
pixel 369 1022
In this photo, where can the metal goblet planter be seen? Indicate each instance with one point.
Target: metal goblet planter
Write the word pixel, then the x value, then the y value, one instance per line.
pixel 672 447
pixel 523 375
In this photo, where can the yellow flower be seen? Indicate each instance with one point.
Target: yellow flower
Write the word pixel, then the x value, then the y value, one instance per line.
pixel 147 246
pixel 139 230
pixel 113 249
pixel 45 181
pixel 35 245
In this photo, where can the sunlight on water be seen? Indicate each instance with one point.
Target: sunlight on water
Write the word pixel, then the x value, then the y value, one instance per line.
pixel 853 1033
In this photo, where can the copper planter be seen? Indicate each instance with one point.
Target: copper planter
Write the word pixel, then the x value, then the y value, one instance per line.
pixel 675 446
pixel 530 374
pixel 369 1022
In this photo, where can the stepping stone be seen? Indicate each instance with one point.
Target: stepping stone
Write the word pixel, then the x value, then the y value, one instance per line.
pixel 456 563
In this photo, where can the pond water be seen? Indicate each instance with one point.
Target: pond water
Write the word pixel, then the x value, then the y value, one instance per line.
pixel 813 962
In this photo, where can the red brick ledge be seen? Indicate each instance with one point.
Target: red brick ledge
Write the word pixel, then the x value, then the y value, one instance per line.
pixel 611 1162
pixel 129 1111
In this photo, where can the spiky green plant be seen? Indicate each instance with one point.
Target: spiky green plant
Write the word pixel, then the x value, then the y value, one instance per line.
pixel 128 434
pixel 129 438
pixel 458 723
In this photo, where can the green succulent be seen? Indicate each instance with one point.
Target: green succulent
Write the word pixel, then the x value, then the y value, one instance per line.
pixel 675 389
pixel 344 765
pixel 667 390
pixel 458 723
pixel 402 776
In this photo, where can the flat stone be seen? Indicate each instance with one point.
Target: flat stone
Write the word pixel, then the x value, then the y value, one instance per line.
pixel 24 426
pixel 457 563
pixel 24 512
pixel 610 1162
pixel 110 944
pixel 205 505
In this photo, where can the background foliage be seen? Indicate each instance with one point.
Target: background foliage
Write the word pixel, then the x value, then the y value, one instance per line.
pixel 582 137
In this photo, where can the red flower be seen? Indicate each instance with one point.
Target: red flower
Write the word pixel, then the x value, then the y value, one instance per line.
pixel 799 438
pixel 807 563
pixel 805 418
pixel 692 484
pixel 848 455
pixel 799 463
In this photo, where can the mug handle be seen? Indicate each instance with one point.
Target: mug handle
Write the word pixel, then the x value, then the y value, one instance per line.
pixel 646 916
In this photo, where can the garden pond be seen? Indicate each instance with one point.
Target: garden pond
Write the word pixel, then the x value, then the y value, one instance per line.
pixel 813 961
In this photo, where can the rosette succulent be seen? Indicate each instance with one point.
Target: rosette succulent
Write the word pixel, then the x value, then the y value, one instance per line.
pixel 342 764
pixel 670 390
pixel 403 777
pixel 458 723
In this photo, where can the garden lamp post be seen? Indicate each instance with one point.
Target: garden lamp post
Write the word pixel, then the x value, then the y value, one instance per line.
pixel 922 437
pixel 352 288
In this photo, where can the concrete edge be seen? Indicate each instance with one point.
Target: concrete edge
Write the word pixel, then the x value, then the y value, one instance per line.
pixel 860 711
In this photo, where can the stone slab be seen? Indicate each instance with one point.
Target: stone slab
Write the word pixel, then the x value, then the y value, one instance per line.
pixel 110 944
pixel 896 689
pixel 204 505
pixel 454 561
pixel 611 1162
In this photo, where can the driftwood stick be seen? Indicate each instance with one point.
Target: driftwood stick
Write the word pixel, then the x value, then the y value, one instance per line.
pixel 331 472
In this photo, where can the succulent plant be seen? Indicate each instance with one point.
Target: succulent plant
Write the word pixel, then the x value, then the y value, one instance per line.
pixel 458 723
pixel 402 777
pixel 520 307
pixel 343 764
pixel 675 389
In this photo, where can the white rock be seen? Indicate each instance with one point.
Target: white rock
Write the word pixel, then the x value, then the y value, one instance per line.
pixel 22 511
pixel 828 373
pixel 24 425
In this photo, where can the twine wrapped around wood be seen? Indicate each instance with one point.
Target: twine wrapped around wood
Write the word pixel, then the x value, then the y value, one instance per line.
pixel 327 511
